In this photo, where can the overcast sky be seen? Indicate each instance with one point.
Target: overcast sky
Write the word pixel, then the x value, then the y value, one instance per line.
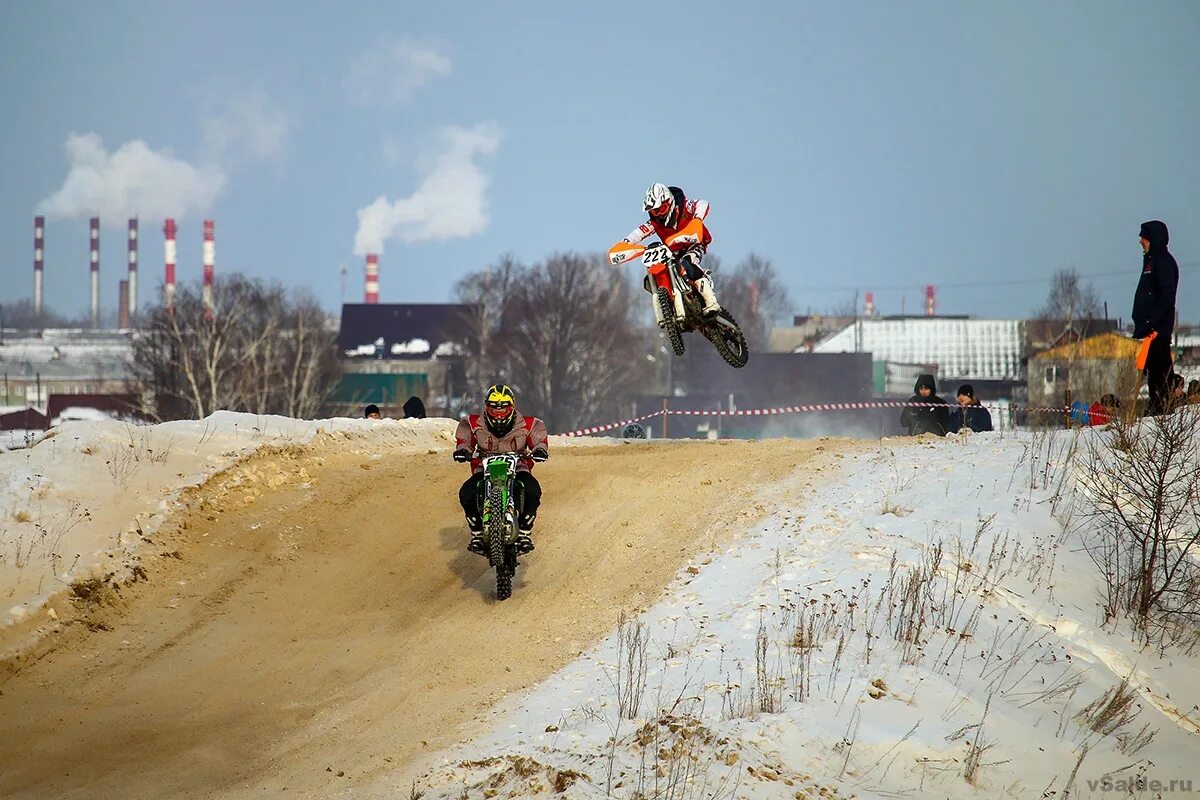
pixel 870 146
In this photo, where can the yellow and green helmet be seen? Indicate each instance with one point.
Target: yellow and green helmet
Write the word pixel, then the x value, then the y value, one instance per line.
pixel 500 409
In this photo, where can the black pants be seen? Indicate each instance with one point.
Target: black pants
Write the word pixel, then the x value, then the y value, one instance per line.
pixel 1158 370
pixel 471 499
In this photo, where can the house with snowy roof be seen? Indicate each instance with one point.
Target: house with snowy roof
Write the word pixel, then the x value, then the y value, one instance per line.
pixel 393 351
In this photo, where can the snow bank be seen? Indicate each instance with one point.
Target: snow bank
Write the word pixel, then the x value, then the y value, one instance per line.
pixel 922 623
pixel 82 499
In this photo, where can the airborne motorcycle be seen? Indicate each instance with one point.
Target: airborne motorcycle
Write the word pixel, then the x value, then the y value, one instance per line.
pixel 677 307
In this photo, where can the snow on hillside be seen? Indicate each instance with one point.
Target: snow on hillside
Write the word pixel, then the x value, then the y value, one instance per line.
pixel 921 623
pixel 82 499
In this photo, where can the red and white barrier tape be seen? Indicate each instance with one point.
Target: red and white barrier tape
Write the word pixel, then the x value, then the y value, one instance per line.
pixel 763 412
pixel 610 426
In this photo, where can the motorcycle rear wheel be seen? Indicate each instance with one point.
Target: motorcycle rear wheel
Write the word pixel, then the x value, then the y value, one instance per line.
pixel 729 342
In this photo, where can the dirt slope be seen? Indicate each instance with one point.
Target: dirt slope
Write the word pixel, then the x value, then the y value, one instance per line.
pixel 312 620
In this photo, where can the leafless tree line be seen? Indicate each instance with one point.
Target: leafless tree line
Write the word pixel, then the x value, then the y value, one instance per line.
pixel 565 333
pixel 259 351
pixel 576 338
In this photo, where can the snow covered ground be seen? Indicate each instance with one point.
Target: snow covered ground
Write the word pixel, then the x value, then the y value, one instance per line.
pixel 924 624
pixel 915 620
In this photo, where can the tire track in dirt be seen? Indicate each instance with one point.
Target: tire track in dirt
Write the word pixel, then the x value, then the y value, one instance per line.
pixel 334 623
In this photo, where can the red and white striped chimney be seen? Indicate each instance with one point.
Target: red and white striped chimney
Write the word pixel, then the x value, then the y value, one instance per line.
pixel 95 229
pixel 372 280
pixel 930 300
pixel 209 253
pixel 131 298
pixel 169 231
pixel 869 305
pixel 39 226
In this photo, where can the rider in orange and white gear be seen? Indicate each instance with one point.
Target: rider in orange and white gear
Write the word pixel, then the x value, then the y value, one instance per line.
pixel 670 211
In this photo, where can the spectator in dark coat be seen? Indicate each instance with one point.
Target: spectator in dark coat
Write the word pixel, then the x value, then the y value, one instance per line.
pixel 970 413
pixel 414 408
pixel 1154 309
pixel 924 419
pixel 371 412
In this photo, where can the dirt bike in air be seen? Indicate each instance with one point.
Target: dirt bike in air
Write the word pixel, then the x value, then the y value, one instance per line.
pixel 501 503
pixel 677 306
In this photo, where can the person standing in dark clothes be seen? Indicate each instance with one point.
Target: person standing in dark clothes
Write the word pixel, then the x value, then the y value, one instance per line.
pixel 970 413
pixel 1154 309
pixel 925 419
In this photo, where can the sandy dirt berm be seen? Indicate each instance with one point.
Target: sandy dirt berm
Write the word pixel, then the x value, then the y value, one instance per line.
pixel 304 639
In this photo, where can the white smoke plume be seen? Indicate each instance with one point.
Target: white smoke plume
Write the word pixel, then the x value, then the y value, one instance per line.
pixel 135 180
pixel 449 203
pixel 131 181
pixel 245 128
pixel 389 73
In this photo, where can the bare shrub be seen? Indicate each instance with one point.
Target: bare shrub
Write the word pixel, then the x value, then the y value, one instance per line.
pixel 1142 490
pixel 633 640
pixel 1111 711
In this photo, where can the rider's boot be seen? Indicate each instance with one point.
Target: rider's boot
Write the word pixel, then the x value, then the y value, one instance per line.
pixel 476 544
pixel 705 287
pixel 524 529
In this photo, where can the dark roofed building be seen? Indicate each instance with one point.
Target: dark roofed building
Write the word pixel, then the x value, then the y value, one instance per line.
pixel 403 330
pixel 393 351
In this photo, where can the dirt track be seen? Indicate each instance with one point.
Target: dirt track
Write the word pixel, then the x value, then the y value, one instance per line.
pixel 334 628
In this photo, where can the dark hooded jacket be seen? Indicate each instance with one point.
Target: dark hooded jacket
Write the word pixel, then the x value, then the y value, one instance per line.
pixel 1154 300
pixel 414 408
pixel 917 419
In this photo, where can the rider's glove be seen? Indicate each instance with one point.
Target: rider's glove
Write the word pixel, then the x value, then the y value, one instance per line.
pixel 462 455
pixel 539 454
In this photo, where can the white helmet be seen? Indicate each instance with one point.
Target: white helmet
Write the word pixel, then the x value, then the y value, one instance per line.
pixel 660 203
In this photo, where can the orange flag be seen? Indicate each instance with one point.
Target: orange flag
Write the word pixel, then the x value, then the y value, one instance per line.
pixel 1144 350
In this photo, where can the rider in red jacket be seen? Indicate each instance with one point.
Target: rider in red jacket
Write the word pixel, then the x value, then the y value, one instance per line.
pixel 500 429
pixel 670 211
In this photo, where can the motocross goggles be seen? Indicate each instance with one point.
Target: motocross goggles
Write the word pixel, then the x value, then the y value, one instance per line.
pixel 661 210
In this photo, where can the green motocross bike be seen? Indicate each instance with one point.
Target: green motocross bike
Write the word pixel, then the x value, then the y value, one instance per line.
pixel 501 503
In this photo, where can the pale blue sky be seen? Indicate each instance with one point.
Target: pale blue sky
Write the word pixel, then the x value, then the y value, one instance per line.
pixel 879 145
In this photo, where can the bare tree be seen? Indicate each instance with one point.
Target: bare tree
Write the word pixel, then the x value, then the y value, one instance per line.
pixel 1070 298
pixel 257 351
pixel 564 333
pixel 757 298
pixel 488 296
pixel 574 343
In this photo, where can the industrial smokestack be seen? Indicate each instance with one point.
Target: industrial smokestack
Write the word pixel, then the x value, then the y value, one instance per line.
pixel 169 251
pixel 372 280
pixel 39 224
pixel 130 297
pixel 930 300
pixel 123 305
pixel 209 252
pixel 95 226
pixel 869 305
